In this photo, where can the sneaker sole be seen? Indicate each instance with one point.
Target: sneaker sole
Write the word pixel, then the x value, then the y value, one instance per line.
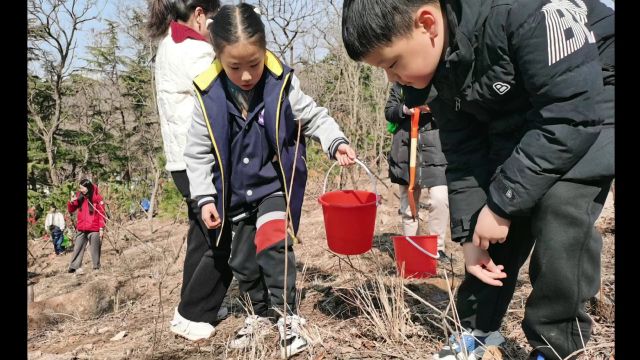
pixel 292 352
pixel 459 356
pixel 257 337
pixel 191 337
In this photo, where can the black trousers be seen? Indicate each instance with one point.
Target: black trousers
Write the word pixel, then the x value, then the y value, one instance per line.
pixel 258 258
pixel 206 275
pixel 564 270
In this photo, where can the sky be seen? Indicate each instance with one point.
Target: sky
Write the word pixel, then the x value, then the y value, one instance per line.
pixel 104 9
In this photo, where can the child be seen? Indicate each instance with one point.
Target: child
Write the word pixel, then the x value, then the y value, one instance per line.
pixel 184 51
pixel 54 222
pixel 430 168
pixel 242 146
pixel 525 108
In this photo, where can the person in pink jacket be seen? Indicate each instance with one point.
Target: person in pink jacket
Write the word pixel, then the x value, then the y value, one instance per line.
pixel 90 224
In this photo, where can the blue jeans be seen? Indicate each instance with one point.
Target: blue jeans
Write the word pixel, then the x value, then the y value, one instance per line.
pixel 57 237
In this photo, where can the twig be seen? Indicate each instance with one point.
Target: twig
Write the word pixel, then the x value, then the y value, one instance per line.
pixel 605 345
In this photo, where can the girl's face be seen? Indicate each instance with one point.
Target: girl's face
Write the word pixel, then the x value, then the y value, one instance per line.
pixel 243 62
pixel 83 190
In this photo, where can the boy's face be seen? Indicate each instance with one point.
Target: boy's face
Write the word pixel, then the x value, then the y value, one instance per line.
pixel 412 59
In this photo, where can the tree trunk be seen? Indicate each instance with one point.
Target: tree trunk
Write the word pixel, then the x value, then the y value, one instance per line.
pixel 48 143
pixel 156 182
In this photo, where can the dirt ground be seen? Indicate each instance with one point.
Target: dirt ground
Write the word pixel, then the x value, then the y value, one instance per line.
pixel 123 311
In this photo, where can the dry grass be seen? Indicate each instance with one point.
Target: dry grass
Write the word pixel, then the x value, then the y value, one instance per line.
pixel 356 307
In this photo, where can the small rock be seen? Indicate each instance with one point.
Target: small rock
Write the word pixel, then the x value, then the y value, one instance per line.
pixel 104 330
pixel 119 336
pixel 92 331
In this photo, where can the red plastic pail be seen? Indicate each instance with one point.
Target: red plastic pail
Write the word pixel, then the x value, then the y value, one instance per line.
pixel 418 255
pixel 349 220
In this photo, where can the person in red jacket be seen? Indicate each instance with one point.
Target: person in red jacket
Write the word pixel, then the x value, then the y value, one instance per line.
pixel 90 224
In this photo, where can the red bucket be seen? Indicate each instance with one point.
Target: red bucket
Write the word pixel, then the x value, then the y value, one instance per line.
pixel 349 217
pixel 418 254
pixel 349 220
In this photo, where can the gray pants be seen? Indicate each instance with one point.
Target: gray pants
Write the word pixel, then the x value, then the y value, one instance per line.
pixel 80 242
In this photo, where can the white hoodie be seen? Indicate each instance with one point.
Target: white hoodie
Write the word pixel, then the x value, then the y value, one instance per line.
pixel 179 60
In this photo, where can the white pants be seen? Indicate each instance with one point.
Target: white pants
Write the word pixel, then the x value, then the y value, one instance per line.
pixel 438 219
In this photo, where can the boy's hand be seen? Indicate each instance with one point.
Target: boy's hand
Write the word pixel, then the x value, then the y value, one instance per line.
pixel 345 155
pixel 409 111
pixel 490 229
pixel 479 264
pixel 210 216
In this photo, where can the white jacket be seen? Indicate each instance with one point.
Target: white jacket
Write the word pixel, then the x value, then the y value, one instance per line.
pixel 55 218
pixel 177 64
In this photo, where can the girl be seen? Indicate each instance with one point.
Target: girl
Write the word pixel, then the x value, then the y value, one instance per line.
pixel 185 51
pixel 90 224
pixel 242 147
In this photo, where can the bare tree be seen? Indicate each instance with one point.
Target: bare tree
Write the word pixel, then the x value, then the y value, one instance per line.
pixel 355 93
pixel 288 22
pixel 52 40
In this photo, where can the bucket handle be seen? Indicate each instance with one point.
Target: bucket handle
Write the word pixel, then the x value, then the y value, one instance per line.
pixel 436 256
pixel 371 177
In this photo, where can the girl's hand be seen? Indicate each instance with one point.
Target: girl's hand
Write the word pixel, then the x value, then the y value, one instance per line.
pixel 210 216
pixel 345 155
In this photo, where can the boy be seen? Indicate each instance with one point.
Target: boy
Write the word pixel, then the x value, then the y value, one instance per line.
pixel 525 99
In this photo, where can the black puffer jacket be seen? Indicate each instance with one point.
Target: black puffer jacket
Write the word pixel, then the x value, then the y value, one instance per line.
pixel 430 161
pixel 521 99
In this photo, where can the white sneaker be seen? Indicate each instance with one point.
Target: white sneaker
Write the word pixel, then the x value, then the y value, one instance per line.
pixel 190 330
pixel 291 339
pixel 254 327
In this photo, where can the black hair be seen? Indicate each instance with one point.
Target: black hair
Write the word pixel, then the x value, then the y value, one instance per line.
pixel 88 196
pixel 162 12
pixel 233 23
pixel 369 24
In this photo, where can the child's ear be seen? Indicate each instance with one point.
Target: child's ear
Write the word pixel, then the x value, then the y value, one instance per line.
pixel 426 19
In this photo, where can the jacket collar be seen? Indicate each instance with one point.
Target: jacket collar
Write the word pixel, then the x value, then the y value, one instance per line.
pixel 180 33
pixel 465 20
pixel 205 79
